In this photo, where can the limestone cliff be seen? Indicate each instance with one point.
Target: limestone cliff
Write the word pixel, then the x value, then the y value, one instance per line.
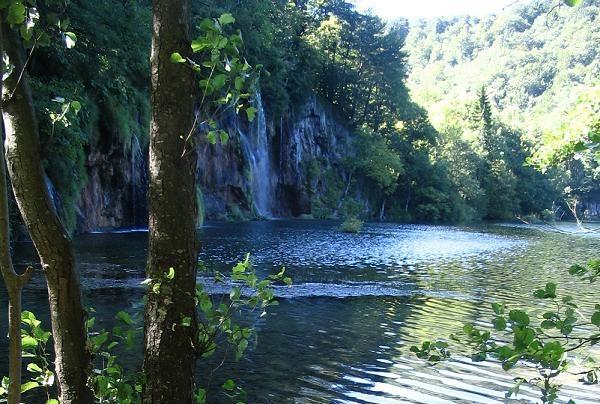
pixel 266 169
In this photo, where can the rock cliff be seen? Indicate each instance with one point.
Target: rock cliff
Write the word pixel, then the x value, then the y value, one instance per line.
pixel 266 169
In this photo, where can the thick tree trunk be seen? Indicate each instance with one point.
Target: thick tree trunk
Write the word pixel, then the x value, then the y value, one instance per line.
pixel 14 284
pixel 24 161
pixel 170 355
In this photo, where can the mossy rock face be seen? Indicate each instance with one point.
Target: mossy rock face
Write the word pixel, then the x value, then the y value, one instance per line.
pixel 352 225
pixel 235 213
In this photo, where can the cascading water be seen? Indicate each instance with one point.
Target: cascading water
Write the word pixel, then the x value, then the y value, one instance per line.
pixel 256 150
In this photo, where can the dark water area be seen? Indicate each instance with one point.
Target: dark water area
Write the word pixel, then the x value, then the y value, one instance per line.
pixel 342 332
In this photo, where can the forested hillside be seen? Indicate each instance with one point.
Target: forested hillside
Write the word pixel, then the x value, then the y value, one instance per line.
pixel 537 67
pixel 535 59
pixel 337 132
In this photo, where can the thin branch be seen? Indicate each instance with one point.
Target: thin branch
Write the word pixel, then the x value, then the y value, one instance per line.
pixel 22 72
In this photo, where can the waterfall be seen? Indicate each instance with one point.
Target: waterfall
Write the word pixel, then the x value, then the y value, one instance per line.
pixel 256 150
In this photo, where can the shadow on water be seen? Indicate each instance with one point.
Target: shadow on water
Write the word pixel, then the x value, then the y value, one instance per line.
pixel 342 332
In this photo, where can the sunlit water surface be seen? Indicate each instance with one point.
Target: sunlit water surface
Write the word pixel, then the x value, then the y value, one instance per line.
pixel 342 332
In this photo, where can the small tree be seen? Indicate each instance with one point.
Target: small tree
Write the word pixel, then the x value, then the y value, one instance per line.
pixel 53 244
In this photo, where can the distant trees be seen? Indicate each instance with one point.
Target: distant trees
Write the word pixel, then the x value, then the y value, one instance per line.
pixel 546 50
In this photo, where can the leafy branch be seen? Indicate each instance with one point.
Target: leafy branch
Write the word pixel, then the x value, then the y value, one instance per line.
pixel 550 346
pixel 226 79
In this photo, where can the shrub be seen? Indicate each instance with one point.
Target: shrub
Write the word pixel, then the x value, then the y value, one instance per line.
pixel 352 225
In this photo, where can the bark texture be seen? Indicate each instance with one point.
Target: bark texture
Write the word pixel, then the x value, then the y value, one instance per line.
pixel 23 156
pixel 14 285
pixel 170 355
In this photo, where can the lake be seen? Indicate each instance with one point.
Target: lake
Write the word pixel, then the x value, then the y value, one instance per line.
pixel 342 332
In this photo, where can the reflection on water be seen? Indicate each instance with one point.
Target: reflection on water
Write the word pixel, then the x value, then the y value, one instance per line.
pixel 342 332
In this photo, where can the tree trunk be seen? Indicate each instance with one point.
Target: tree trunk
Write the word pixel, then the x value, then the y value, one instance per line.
pixel 24 161
pixel 14 285
pixel 170 354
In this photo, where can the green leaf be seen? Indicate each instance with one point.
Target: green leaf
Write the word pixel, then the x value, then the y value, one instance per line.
pixel 205 303
pixel 28 342
pixel 229 385
pixel 99 339
pixel 199 44
pixel 156 287
pixel 29 318
pixel 596 319
pixel 239 268
pixel 498 308
pixel 52 401
pixel 219 81
pixel 577 270
pixel 547 324
pixel 226 19
pixel 211 137
pixel 171 274
pixel 206 25
pixel 124 317
pixel 251 113
pixel 223 136
pixel 76 106
pixel 26 32
pixel 572 3
pixel 499 323
pixel 200 396
pixel 44 39
pixel 34 367
pixel 549 292
pixel 16 13
pixel 28 386
pixel 177 58
pixel 70 39
pixel 235 294
pixel 242 345
pixel 519 317
pixel 239 83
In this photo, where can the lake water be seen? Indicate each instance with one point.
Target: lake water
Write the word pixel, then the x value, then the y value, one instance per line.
pixel 342 332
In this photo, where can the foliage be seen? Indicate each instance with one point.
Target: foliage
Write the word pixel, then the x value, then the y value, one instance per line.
pixel 352 225
pixel 551 345
pixel 534 58
pixel 111 382
pixel 376 161
pixel 112 97
pixel 549 98
pixel 226 81
pixel 64 135
pixel 484 158
pixel 271 32
pixel 219 332
pixel 34 340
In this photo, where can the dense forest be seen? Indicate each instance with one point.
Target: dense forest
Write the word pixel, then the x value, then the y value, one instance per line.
pixel 536 67
pixel 486 84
